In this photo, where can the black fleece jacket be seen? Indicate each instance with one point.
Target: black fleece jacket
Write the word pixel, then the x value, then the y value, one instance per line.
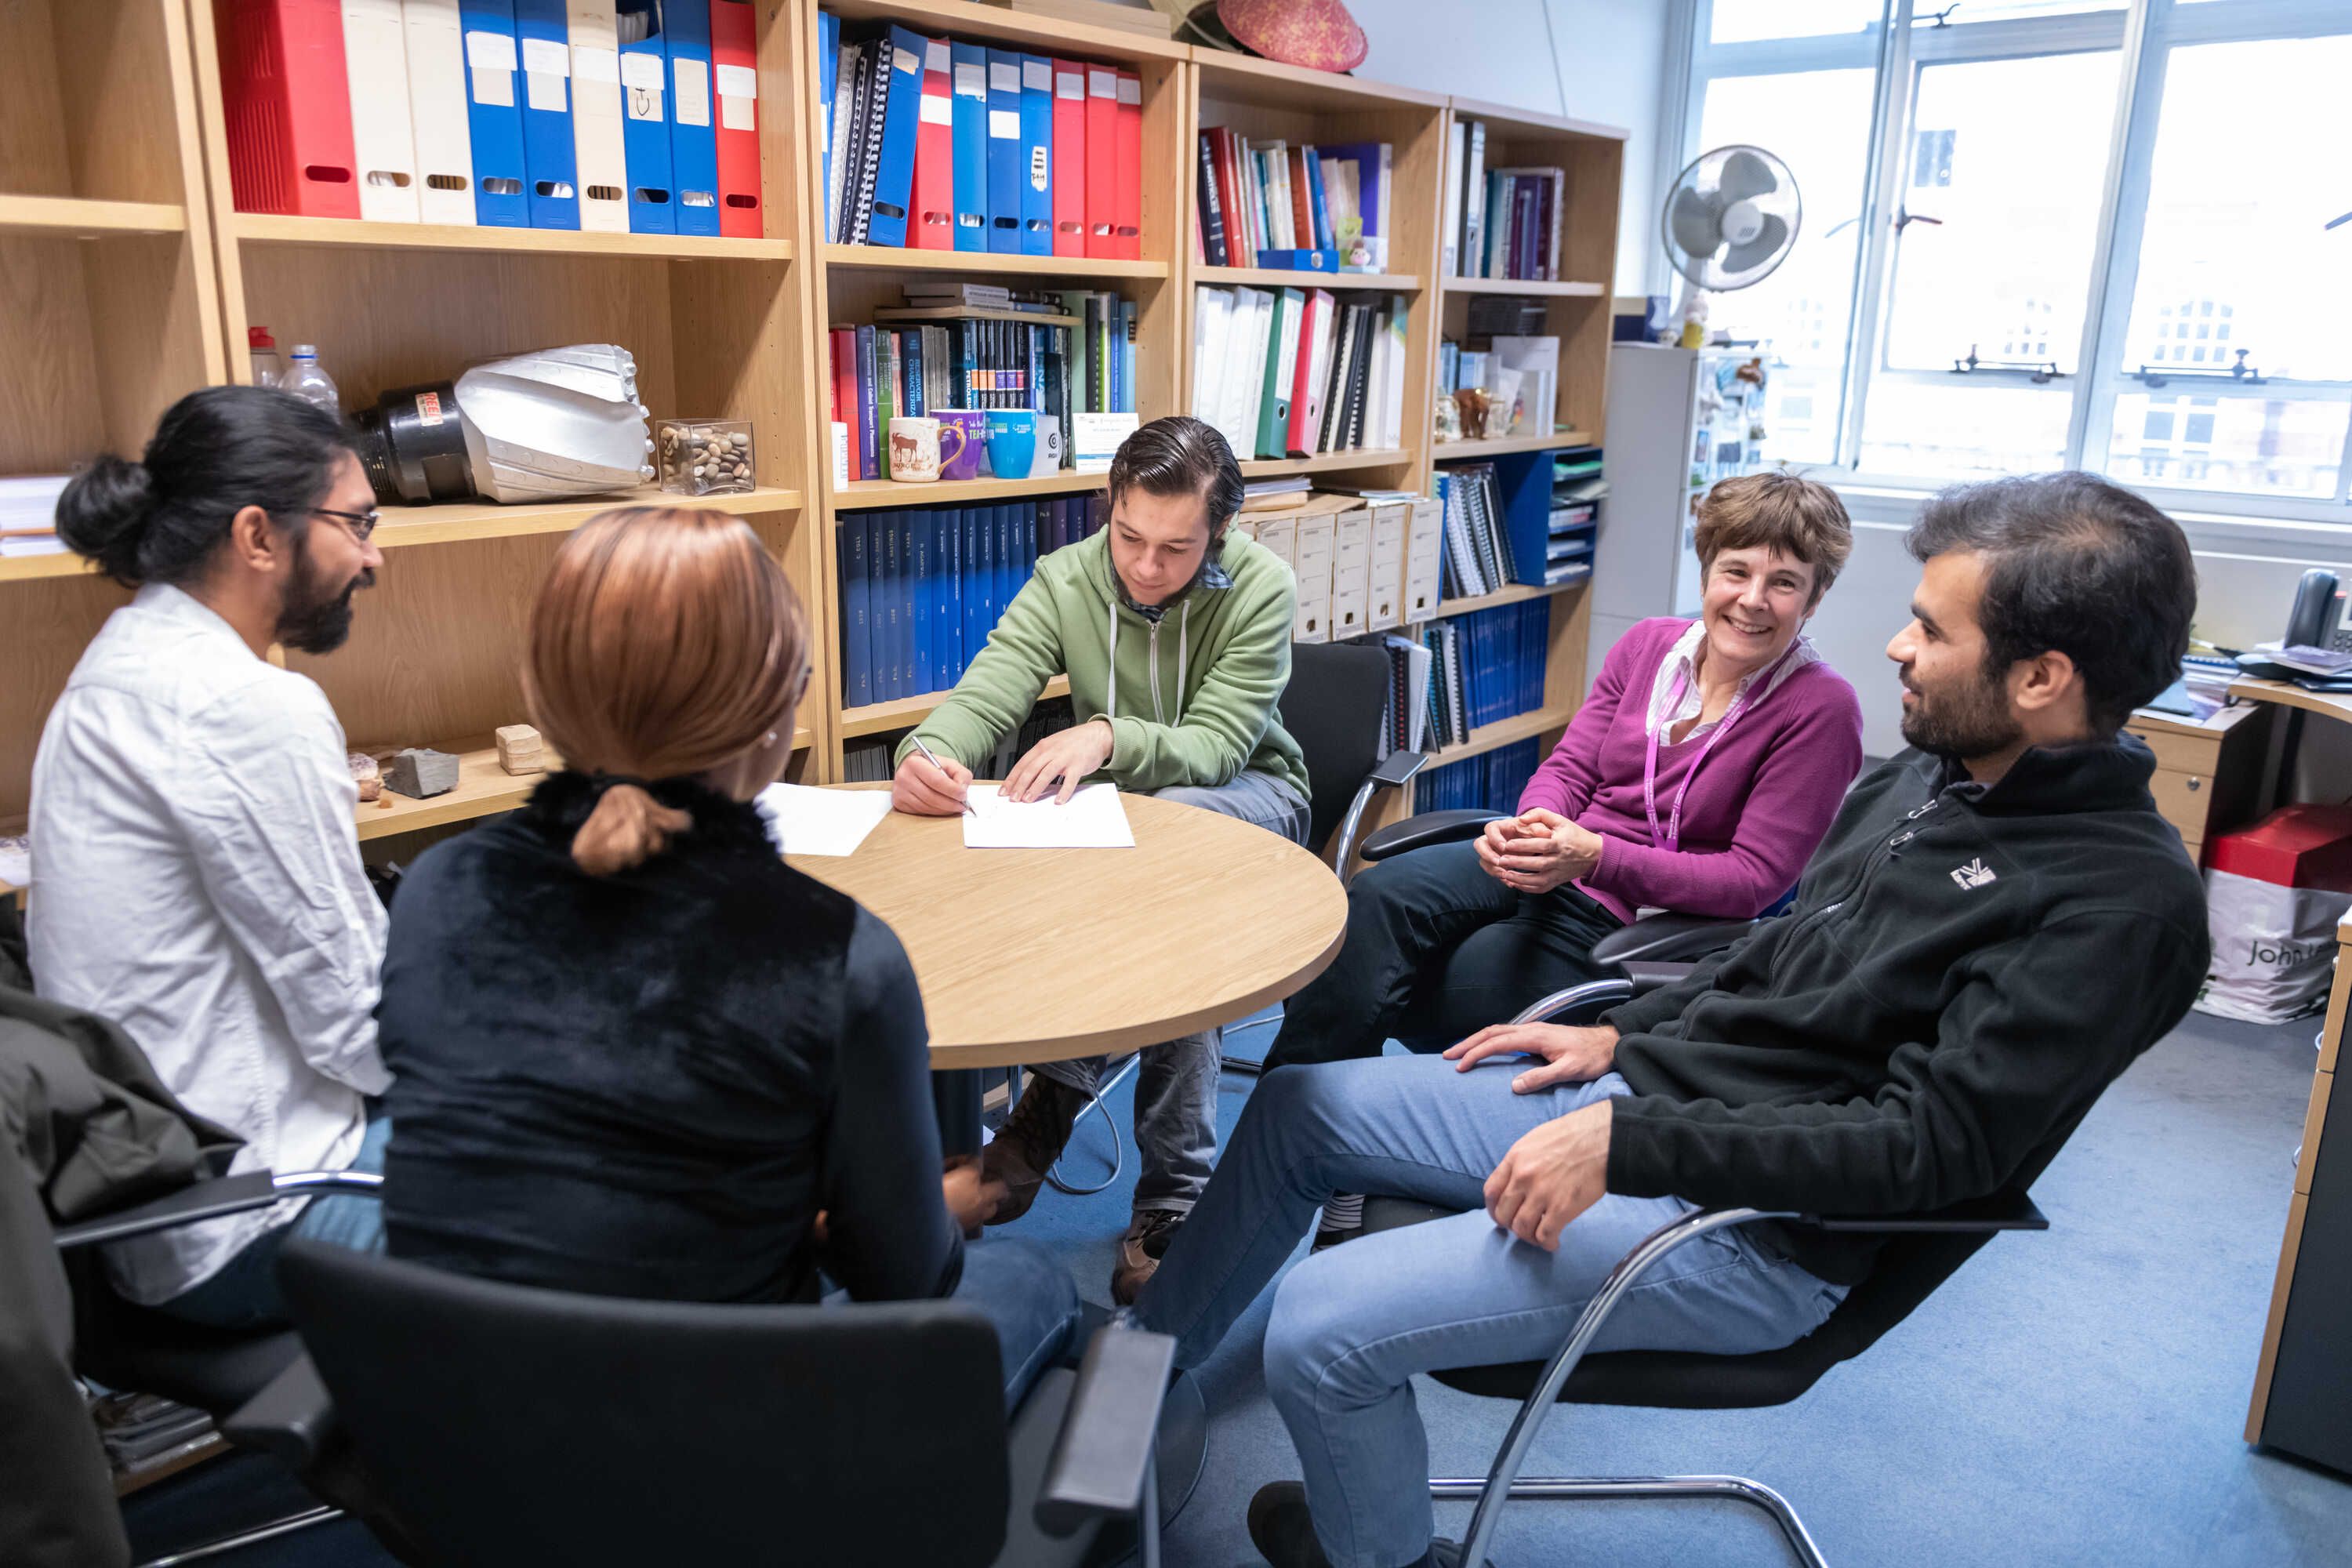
pixel 1966 969
pixel 648 1084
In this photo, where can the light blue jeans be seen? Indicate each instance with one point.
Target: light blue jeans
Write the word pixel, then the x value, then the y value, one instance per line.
pixel 243 1294
pixel 1351 1325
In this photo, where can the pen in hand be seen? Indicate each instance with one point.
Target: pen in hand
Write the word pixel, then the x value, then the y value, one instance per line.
pixel 942 767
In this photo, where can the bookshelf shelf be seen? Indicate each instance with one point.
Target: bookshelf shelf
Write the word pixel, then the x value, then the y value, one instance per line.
pixel 906 712
pixel 459 521
pixel 1507 731
pixel 1264 84
pixel 884 258
pixel 1038 33
pixel 1326 462
pixel 859 494
pixel 1564 290
pixel 971 313
pixel 1516 593
pixel 74 218
pixel 274 228
pixel 1530 125
pixel 1290 277
pixel 1502 446
pixel 34 568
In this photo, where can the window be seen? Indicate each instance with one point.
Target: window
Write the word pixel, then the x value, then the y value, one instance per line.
pixel 2064 233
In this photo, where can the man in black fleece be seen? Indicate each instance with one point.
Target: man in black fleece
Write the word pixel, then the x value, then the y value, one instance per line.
pixel 1996 925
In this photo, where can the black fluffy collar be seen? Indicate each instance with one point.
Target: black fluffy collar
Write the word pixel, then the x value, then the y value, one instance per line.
pixel 563 800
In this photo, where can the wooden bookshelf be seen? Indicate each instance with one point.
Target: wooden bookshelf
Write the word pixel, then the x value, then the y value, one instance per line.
pixel 1533 288
pixel 1292 278
pixel 977 263
pixel 906 712
pixel 1517 593
pixel 77 218
pixel 860 494
pixel 1485 738
pixel 1330 462
pixel 1503 446
pixel 275 228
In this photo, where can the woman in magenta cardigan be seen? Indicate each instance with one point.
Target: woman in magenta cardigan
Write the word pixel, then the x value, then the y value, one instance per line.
pixel 1698 776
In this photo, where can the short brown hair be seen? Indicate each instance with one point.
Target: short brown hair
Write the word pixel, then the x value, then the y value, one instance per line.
pixel 1181 456
pixel 1798 517
pixel 665 642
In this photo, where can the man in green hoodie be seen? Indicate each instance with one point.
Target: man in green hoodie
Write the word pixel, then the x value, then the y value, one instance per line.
pixel 1177 643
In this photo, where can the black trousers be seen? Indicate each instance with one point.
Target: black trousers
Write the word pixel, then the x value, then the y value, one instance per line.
pixel 1437 950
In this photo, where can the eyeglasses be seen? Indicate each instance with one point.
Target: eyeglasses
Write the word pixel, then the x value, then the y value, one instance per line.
pixel 361 523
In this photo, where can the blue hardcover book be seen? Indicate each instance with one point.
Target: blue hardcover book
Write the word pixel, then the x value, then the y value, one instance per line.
pixel 894 180
pixel 974 592
pixel 551 162
pixel 1004 171
pixel 1025 523
pixel 971 126
pixel 645 119
pixel 910 354
pixel 1037 156
pixel 875 446
pixel 915 531
pixel 828 73
pixel 981 570
pixel 1123 346
pixel 947 601
pixel 494 112
pixel 1008 555
pixel 889 670
pixel 856 639
pixel 1034 396
pixel 693 138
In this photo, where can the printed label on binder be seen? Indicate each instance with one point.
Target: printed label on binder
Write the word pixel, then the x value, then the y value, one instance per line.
pixel 1037 74
pixel 1004 124
pixel 693 92
pixel 1003 77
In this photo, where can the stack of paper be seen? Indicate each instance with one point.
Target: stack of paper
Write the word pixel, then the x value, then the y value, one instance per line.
pixel 1092 819
pixel 804 821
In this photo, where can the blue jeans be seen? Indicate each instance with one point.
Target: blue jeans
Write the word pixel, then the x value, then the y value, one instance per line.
pixel 1351 1325
pixel 1176 1083
pixel 1028 1295
pixel 244 1293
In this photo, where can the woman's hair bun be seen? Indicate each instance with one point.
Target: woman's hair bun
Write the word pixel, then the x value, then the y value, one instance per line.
pixel 104 513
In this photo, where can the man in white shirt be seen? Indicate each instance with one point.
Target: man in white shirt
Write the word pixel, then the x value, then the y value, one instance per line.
pixel 196 865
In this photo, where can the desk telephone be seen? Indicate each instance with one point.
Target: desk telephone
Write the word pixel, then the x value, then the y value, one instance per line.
pixel 2317 617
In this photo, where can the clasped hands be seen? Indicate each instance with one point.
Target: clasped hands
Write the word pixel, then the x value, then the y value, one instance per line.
pixel 1536 850
pixel 1560 1169
pixel 1056 766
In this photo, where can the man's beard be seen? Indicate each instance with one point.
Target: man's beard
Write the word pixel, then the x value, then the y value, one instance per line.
pixel 317 617
pixel 1972 720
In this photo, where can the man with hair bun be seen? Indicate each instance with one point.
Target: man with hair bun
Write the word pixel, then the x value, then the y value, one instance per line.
pixel 1177 643
pixel 190 791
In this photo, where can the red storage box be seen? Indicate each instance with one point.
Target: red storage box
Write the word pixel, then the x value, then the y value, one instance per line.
pixel 286 104
pixel 2293 846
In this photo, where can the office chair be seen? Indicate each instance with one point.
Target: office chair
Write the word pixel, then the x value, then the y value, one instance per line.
pixel 120 1344
pixel 503 1424
pixel 1921 1252
pixel 1337 696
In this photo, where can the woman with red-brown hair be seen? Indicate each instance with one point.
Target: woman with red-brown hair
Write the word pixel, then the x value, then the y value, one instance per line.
pixel 634 1053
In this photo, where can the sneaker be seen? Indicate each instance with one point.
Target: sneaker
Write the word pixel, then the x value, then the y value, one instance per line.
pixel 1140 1250
pixel 1026 1146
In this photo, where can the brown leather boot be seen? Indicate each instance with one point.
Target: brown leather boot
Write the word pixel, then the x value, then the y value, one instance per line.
pixel 1031 1140
pixel 1140 1250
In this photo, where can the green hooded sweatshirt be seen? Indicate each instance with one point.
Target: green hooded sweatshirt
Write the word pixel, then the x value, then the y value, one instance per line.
pixel 1195 693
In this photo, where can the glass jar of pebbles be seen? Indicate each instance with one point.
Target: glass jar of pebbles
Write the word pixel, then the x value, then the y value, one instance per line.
pixel 704 457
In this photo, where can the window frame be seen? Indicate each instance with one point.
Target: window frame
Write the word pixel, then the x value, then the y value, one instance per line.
pixel 2143 33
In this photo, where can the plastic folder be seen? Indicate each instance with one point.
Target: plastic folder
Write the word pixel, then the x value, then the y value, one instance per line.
pixel 550 163
pixel 971 87
pixel 1127 237
pixel 893 178
pixel 828 73
pixel 644 117
pixel 375 55
pixel 932 225
pixel 286 107
pixel 1036 155
pixel 494 112
pixel 597 143
pixel 693 139
pixel 735 67
pixel 1004 169
pixel 437 108
pixel 1102 161
pixel 1069 158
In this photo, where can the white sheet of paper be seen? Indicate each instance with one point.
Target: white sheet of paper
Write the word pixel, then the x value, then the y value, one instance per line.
pixel 804 821
pixel 1092 820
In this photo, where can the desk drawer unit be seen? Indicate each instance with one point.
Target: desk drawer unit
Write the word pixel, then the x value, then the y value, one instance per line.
pixel 2208 777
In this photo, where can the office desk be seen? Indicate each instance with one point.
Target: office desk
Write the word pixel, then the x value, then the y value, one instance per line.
pixel 1032 955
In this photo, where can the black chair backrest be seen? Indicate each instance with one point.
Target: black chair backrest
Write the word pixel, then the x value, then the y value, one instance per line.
pixel 1332 708
pixel 502 1423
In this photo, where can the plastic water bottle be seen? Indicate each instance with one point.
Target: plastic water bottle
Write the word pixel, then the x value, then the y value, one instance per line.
pixel 268 370
pixel 309 383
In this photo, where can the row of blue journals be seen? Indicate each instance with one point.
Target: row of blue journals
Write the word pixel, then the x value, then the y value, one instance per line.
pixel 1486 666
pixel 921 587
pixel 1491 781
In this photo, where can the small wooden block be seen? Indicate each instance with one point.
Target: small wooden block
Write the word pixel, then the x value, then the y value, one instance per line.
pixel 519 751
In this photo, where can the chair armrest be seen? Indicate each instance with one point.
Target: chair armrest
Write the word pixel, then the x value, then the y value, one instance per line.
pixel 1396 771
pixel 2008 1209
pixel 1420 831
pixel 1649 977
pixel 212 1200
pixel 290 1419
pixel 1669 937
pixel 1103 1455
pixel 1398 768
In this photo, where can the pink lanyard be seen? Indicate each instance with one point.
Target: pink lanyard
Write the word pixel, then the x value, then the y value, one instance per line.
pixel 1670 839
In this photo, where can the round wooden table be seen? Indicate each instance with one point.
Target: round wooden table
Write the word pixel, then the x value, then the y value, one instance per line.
pixel 1034 955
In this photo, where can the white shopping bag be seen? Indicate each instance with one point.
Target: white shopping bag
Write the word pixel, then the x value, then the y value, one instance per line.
pixel 2273 948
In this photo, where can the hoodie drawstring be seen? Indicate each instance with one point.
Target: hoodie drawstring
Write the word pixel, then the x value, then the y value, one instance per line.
pixel 1184 633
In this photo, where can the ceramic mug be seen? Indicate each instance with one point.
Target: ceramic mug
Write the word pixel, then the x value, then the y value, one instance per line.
pixel 1012 442
pixel 1049 447
pixel 915 447
pixel 959 453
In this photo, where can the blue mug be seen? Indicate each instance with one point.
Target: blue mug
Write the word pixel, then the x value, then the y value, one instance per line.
pixel 1012 442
